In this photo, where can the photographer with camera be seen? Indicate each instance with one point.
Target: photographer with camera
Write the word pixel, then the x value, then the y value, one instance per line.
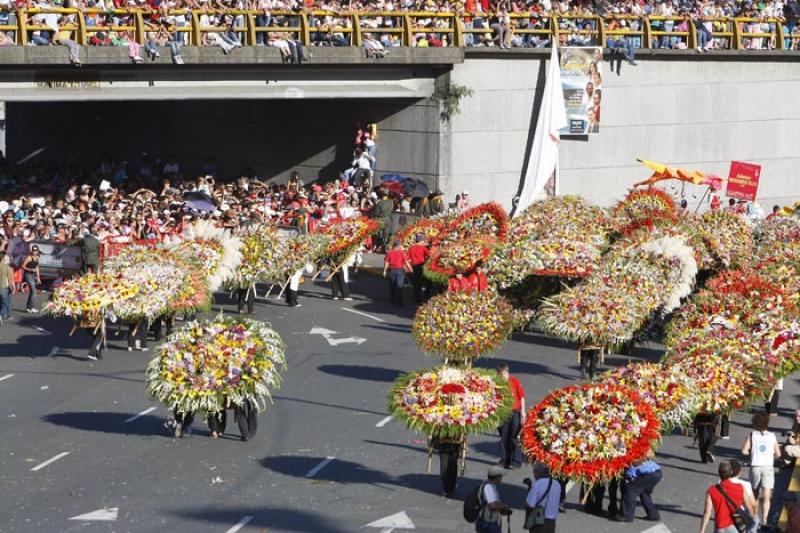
pixel 790 450
pixel 541 505
pixel 491 517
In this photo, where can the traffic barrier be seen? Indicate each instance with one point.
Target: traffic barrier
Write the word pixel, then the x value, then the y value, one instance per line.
pixel 399 28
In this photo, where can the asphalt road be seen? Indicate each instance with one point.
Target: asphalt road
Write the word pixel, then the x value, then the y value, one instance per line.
pixel 326 459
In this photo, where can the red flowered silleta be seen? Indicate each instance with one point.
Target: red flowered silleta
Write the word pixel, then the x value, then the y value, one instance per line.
pixel 590 432
pixel 484 220
pixel 429 228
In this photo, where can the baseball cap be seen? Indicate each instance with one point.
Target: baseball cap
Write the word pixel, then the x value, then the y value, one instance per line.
pixel 494 471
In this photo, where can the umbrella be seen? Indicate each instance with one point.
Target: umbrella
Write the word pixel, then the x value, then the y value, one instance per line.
pixel 416 188
pixel 394 186
pixel 199 201
pixel 393 177
pixel 663 172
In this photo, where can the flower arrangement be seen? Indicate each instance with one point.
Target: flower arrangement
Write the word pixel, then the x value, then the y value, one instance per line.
pixel 262 249
pixel 641 204
pixel 569 218
pixel 618 298
pixel 565 258
pixel 729 237
pixel 212 250
pixel 89 295
pixel 204 364
pixel 300 251
pixel 671 394
pixel 449 402
pixel 511 262
pixel 158 277
pixel 347 235
pixel 429 228
pixel 488 220
pixel 590 432
pixel 462 256
pixel 460 326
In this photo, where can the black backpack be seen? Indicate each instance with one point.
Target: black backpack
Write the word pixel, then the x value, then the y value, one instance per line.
pixel 473 504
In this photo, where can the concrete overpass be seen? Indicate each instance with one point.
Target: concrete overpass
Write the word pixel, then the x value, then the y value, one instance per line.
pixel 249 109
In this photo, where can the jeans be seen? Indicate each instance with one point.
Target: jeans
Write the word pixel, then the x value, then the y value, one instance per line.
pixel 298 55
pixel 509 445
pixel 5 303
pixel 30 279
pixel 666 40
pixel 448 466
pixel 788 33
pixel 487 527
pixel 641 488
pixel 397 280
pixel 626 46
pixel 339 287
pixel 703 36
pixel 262 21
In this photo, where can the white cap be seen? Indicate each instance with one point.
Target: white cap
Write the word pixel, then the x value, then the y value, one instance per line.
pixel 465 193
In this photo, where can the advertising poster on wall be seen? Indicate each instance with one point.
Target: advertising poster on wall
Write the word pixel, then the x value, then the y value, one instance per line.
pixel 743 181
pixel 582 81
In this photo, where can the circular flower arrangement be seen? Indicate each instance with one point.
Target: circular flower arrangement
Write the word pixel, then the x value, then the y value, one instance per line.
pixel 510 263
pixel 449 402
pixel 459 326
pixel 301 250
pixel 670 393
pixel 347 235
pixel 205 364
pixel 462 256
pixel 569 218
pixel 206 255
pixel 158 279
pixel 429 228
pixel 565 259
pixel 641 204
pixel 776 236
pixel 590 432
pixel 89 295
pixel 484 220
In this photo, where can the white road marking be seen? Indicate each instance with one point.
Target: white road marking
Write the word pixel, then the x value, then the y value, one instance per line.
pixel 39 328
pixel 138 415
pixel 101 515
pixel 388 524
pixel 314 471
pixel 383 422
pixel 375 318
pixel 328 335
pixel 3 378
pixel 51 460
pixel 54 351
pixel 240 524
pixel 658 528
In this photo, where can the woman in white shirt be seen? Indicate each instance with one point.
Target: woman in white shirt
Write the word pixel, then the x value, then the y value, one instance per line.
pixel 762 448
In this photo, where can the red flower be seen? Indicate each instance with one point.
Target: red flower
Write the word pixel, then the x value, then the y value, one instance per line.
pixel 453 388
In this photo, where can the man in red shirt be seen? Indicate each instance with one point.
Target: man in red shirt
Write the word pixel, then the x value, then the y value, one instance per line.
pixel 509 432
pixel 418 254
pixel 477 280
pixel 459 283
pixel 396 264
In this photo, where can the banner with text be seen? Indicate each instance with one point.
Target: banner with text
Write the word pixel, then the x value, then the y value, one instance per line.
pixel 581 82
pixel 743 181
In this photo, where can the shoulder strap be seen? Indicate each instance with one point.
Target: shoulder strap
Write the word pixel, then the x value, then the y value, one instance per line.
pixel 543 496
pixel 732 505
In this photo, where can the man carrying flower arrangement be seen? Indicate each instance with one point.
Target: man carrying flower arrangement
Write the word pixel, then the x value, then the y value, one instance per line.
pixel 509 431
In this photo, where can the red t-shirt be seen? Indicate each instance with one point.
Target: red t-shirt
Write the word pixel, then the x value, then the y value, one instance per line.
pixel 478 281
pixel 722 509
pixel 459 285
pixel 395 259
pixel 518 391
pixel 418 253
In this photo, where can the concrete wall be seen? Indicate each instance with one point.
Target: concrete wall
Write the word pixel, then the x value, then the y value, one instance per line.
pixel 697 112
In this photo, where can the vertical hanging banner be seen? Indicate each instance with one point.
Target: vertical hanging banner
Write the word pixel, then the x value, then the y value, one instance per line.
pixel 743 181
pixel 582 84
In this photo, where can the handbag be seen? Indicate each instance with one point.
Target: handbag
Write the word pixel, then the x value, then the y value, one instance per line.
pixel 535 517
pixel 742 520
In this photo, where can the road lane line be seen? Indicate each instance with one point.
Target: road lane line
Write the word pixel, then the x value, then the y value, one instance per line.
pixel 383 422
pixel 240 524
pixel 375 318
pixel 54 351
pixel 138 415
pixel 658 528
pixel 51 460
pixel 39 328
pixel 314 471
pixel 6 377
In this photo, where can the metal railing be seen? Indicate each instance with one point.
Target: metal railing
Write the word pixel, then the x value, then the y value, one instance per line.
pixel 393 28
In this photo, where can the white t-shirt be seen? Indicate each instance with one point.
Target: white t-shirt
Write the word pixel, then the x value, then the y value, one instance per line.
pixel 762 448
pixel 490 495
pixel 748 487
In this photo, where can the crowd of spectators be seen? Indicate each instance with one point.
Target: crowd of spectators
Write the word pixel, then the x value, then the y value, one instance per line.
pixel 499 23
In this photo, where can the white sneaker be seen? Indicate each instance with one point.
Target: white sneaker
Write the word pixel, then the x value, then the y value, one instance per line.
pixel 178 60
pixel 348 299
pixel 33 310
pixel 91 358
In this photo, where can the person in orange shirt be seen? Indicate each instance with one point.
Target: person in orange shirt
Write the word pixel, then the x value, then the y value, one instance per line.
pixel 418 253
pixel 477 279
pixel 459 283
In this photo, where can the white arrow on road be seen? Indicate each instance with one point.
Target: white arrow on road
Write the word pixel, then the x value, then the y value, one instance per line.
pixel 658 528
pixel 328 334
pixel 390 523
pixel 100 515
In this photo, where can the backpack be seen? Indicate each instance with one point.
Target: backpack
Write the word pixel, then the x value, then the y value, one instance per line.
pixel 473 504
